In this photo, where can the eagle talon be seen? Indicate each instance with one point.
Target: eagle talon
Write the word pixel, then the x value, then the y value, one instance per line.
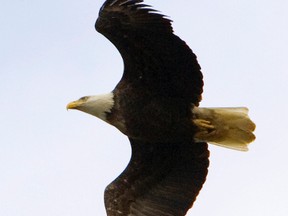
pixel 203 124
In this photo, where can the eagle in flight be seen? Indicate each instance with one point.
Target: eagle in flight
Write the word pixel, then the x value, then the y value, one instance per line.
pixel 155 104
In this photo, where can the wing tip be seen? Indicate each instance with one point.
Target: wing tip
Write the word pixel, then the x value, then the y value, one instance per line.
pixel 139 15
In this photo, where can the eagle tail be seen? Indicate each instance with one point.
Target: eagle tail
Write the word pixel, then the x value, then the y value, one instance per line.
pixel 227 127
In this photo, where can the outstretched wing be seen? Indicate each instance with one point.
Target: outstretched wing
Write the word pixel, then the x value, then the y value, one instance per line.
pixel 161 179
pixel 152 54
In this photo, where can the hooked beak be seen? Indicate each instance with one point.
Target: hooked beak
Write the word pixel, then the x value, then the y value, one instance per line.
pixel 74 104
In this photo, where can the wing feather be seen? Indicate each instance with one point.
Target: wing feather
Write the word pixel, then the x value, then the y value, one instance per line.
pixel 150 50
pixel 161 179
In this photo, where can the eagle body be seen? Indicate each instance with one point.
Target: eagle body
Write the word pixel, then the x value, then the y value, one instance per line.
pixel 134 107
pixel 155 104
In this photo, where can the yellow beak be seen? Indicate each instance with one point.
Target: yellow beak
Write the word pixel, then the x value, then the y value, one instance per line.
pixel 74 104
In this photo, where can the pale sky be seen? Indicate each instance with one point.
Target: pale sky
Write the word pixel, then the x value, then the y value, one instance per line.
pixel 57 163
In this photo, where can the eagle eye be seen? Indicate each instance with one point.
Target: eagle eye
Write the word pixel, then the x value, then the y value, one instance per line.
pixel 85 98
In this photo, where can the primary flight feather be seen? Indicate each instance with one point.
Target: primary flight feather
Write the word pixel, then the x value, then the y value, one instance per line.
pixel 155 104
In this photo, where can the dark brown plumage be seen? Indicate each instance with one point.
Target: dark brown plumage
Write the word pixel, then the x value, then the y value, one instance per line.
pixel 162 179
pixel 161 81
pixel 156 105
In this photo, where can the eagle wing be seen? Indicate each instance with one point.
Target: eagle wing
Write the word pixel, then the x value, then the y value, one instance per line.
pixel 152 54
pixel 161 179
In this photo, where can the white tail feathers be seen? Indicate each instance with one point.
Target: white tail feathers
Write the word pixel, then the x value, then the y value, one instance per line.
pixel 226 127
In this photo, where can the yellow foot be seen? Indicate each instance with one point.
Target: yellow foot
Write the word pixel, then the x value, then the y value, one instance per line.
pixel 205 129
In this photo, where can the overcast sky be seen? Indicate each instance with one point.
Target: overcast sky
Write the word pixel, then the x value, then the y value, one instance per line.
pixel 57 163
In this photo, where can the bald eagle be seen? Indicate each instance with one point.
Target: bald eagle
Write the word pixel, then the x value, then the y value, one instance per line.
pixel 155 104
